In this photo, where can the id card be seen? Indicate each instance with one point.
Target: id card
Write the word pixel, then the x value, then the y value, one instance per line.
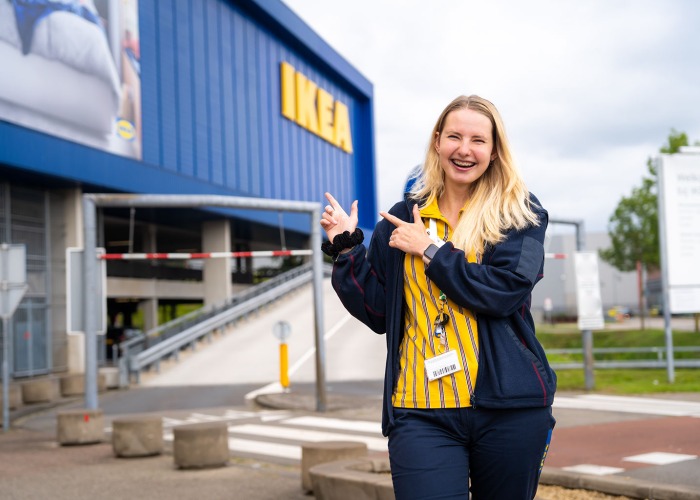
pixel 442 365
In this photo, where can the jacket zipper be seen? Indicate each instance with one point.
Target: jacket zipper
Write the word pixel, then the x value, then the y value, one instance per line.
pixel 472 397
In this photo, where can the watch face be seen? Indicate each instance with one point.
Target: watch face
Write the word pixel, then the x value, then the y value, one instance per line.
pixel 430 251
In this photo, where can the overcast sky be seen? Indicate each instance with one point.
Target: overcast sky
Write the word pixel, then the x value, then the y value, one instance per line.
pixel 588 89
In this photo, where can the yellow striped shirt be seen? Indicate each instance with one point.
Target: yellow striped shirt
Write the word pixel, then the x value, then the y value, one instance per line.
pixel 413 389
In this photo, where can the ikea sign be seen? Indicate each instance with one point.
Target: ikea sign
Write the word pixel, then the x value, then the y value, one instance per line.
pixel 314 109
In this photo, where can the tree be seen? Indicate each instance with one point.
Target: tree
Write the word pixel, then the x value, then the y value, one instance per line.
pixel 634 225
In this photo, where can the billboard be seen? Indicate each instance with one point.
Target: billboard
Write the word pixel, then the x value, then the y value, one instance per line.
pixel 71 69
pixel 679 225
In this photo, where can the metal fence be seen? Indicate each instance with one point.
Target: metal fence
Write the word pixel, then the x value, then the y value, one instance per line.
pixel 618 357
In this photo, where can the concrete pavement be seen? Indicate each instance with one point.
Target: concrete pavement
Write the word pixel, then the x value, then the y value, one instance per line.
pixel 33 465
pixel 631 446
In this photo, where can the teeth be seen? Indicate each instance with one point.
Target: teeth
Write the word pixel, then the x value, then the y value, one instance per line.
pixel 463 163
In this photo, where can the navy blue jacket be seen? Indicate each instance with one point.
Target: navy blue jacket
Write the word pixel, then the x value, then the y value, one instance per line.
pixel 513 370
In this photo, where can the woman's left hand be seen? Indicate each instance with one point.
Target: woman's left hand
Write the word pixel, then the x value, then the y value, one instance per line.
pixel 409 237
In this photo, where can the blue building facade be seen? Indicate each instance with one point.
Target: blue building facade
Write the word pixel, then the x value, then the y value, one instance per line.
pixel 227 97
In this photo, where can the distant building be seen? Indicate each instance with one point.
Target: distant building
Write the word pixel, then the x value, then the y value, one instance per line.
pixel 559 282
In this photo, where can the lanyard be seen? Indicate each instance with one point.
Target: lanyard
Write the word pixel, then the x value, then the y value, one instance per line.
pixel 433 233
pixel 442 317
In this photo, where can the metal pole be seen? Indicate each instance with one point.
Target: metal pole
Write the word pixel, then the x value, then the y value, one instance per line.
pixel 670 372
pixel 90 201
pixel 5 375
pixel 586 335
pixel 89 301
pixel 5 336
pixel 317 264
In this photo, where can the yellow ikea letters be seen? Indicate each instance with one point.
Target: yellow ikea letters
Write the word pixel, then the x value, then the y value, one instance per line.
pixel 314 109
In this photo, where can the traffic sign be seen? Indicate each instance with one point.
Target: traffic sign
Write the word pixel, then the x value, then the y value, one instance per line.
pixel 282 330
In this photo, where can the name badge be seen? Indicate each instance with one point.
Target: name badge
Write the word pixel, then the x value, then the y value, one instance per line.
pixel 442 365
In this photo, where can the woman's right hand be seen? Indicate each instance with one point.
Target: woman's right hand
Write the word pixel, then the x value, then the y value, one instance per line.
pixel 335 220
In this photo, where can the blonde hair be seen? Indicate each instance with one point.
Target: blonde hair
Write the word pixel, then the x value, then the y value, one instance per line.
pixel 499 200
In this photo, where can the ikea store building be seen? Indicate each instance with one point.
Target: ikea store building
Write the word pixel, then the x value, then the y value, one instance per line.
pixel 200 97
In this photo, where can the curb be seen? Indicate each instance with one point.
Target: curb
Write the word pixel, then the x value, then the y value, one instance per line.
pixel 345 478
pixel 353 471
pixel 617 485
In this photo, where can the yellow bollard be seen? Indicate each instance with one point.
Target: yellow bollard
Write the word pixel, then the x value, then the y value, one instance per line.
pixel 284 365
pixel 282 330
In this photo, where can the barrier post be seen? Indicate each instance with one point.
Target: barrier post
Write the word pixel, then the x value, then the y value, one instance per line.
pixel 282 331
pixel 284 365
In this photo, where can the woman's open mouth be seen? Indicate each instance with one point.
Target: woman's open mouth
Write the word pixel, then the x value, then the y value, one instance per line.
pixel 463 164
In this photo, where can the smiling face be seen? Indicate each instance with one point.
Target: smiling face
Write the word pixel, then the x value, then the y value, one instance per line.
pixel 465 147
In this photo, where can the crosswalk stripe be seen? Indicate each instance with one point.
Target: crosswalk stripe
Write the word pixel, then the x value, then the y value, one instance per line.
pixel 301 435
pixel 596 470
pixel 336 423
pixel 264 448
pixel 660 458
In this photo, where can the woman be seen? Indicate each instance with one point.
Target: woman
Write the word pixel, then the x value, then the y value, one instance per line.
pixel 448 276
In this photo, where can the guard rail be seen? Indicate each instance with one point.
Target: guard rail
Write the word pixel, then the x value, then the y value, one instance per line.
pixel 167 340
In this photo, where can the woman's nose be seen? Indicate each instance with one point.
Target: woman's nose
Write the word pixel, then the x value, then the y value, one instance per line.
pixel 464 148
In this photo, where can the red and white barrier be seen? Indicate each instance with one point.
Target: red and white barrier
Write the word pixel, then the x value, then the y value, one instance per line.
pixel 205 255
pixel 555 256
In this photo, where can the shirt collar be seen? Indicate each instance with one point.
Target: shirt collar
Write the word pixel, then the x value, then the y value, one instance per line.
pixel 432 211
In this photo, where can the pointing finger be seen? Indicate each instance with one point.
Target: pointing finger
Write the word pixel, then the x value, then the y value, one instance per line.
pixel 416 215
pixel 394 220
pixel 332 201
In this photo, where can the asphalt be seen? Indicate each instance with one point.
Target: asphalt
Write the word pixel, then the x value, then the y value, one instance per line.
pixel 34 466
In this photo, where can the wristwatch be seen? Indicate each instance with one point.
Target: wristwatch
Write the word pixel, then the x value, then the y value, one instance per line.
pixel 429 252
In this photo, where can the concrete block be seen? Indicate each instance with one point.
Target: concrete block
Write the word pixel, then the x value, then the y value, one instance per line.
pixel 14 397
pixel 110 375
pixel 351 480
pixel 200 445
pixel 327 451
pixel 39 390
pixel 72 384
pixel 82 426
pixel 137 436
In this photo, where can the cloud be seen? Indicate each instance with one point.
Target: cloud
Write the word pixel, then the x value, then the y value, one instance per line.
pixel 588 90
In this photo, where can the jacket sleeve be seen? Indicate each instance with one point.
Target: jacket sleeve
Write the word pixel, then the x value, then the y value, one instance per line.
pixel 503 281
pixel 359 279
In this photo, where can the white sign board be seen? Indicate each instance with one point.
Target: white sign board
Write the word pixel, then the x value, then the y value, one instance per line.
pixel 75 299
pixel 588 299
pixel 679 183
pixel 13 276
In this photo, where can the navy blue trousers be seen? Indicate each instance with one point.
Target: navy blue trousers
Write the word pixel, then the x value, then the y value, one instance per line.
pixel 437 453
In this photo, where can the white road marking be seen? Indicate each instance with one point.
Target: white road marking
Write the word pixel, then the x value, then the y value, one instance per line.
pixel 626 404
pixel 596 470
pixel 301 435
pixel 305 357
pixel 660 458
pixel 336 423
pixel 264 448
